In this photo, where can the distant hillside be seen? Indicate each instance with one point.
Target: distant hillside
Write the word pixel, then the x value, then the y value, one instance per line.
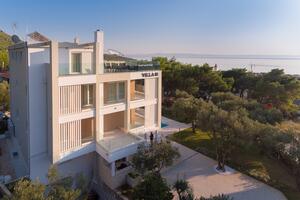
pixel 5 40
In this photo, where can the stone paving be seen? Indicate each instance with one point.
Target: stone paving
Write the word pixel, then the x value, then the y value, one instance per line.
pixel 199 171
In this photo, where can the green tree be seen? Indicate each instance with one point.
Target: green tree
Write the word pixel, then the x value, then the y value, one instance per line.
pixel 242 80
pixel 4 95
pixel 28 190
pixel 61 187
pixel 276 88
pixel 3 60
pixel 223 127
pixel 199 81
pixel 183 190
pixel 58 187
pixel 227 101
pixel 5 42
pixel 155 157
pixel 210 81
pixel 256 111
pixel 185 109
pixel 153 187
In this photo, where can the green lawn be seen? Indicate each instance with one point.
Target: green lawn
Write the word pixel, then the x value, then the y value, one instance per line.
pixel 247 160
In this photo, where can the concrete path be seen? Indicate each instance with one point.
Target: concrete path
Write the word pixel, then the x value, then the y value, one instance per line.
pixel 199 171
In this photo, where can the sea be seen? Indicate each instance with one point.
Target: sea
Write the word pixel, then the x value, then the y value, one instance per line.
pixel 255 63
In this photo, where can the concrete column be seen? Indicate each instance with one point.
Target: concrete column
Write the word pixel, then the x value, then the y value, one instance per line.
pixel 127 111
pixel 53 134
pixel 99 53
pixel 98 60
pixel 159 99
pixel 97 107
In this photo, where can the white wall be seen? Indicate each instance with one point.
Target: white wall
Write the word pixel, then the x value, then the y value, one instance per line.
pixel 19 98
pixel 87 64
pixel 37 66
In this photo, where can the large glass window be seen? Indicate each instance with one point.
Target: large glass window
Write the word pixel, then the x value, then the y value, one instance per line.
pixel 76 62
pixel 114 92
pixel 87 95
pixel 137 117
pixel 137 89
pixel 121 91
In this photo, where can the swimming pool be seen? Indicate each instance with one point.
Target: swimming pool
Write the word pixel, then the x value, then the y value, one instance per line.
pixel 163 125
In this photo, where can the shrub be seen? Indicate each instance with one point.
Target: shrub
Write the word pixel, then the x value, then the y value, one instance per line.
pixel 153 187
pixel 218 197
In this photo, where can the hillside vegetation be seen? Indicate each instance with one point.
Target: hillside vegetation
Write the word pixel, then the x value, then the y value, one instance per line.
pixel 5 41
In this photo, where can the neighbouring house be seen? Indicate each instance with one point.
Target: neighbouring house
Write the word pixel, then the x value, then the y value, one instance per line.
pixel 69 108
pixel 114 60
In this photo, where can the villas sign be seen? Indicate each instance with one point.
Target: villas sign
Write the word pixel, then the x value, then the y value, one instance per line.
pixel 149 74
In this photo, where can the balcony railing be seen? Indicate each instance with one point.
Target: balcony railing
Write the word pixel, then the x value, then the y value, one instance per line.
pixel 67 69
pixel 118 147
pixel 142 66
pixel 108 101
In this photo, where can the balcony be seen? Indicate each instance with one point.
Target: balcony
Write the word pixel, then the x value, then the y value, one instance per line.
pixel 71 69
pixel 118 144
pixel 133 67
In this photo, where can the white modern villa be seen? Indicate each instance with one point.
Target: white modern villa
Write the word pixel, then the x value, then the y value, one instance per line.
pixel 70 109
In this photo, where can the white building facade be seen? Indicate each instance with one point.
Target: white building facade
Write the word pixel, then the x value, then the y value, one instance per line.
pixel 68 110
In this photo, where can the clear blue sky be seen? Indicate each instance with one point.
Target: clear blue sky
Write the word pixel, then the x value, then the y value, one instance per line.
pixel 165 26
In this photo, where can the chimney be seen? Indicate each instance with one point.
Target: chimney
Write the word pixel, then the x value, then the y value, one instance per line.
pixel 76 40
pixel 98 51
pixel 98 36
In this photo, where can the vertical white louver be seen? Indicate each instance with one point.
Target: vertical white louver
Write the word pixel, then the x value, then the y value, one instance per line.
pixel 69 99
pixel 70 135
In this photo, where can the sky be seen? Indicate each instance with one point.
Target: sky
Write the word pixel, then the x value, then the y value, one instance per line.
pixel 255 27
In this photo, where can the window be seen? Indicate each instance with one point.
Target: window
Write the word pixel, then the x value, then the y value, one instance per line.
pixel 137 117
pixel 121 164
pixel 137 88
pixel 121 90
pixel 76 62
pixel 87 94
pixel 114 92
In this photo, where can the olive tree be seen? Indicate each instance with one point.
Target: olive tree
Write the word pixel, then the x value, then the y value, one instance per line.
pixel 223 128
pixel 153 187
pixel 185 109
pixel 152 158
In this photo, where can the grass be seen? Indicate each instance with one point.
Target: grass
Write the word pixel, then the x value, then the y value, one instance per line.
pixel 247 160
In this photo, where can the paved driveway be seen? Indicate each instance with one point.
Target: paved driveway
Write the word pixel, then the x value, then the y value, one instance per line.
pixel 199 171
